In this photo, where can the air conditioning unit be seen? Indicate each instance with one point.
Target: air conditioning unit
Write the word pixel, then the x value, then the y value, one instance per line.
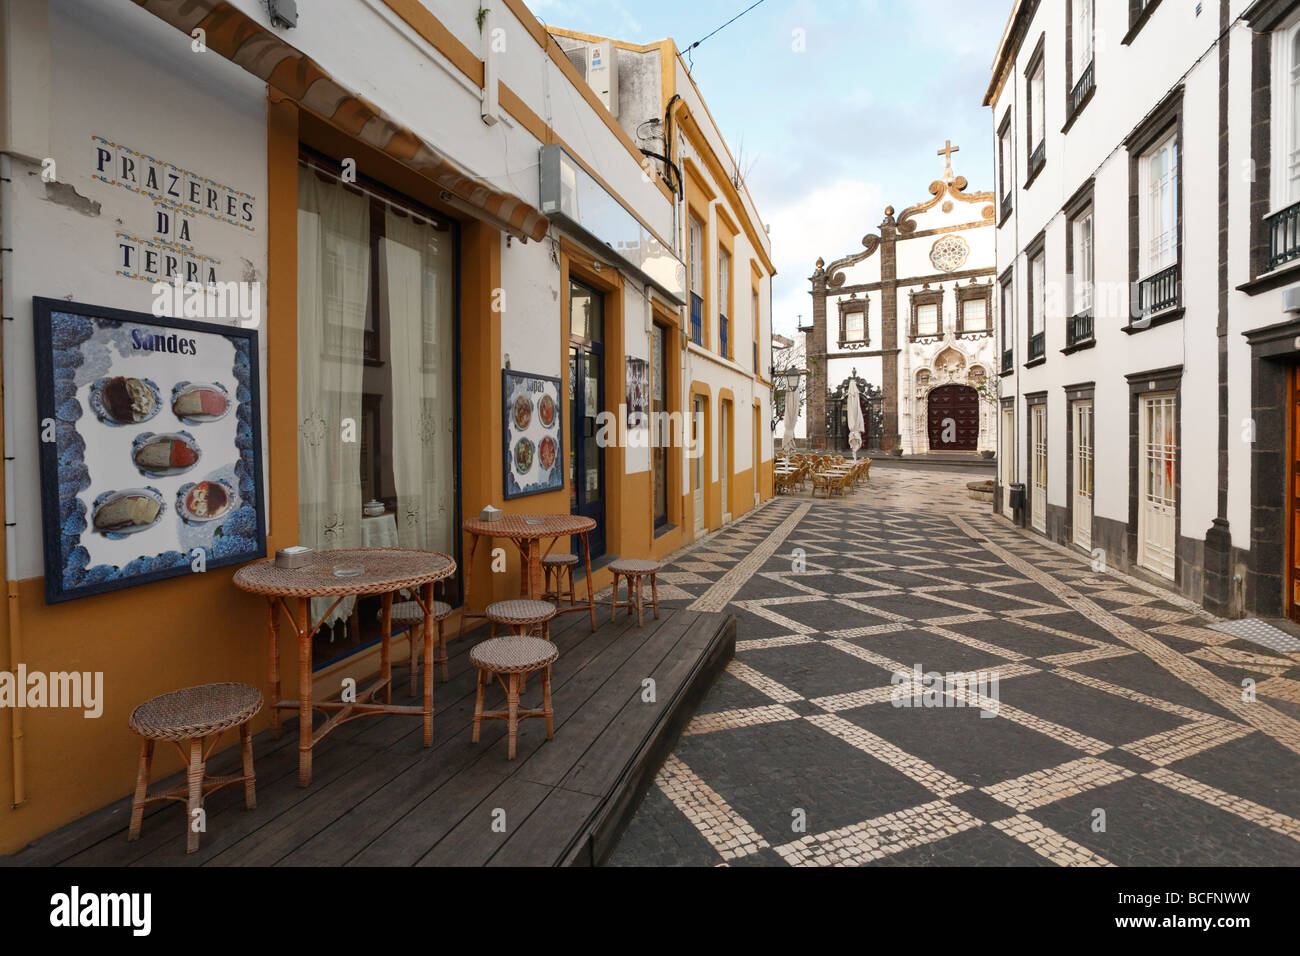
pixel 597 63
pixel 1291 300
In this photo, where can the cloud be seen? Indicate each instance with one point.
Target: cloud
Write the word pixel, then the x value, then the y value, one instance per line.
pixel 828 220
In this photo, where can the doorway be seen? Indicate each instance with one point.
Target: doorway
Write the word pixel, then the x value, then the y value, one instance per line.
pixel 954 418
pixel 1007 458
pixel 724 459
pixel 1292 591
pixel 1082 412
pixel 586 399
pixel 1038 466
pixel 697 463
pixel 1157 492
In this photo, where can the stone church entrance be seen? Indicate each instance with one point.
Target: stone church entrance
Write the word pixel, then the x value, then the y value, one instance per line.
pixel 956 409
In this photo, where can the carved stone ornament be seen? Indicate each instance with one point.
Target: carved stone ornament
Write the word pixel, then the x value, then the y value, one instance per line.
pixel 949 253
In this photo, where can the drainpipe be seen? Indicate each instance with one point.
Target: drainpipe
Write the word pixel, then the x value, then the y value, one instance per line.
pixel 10 504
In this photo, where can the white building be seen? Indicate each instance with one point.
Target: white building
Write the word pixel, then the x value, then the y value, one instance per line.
pixel 1147 242
pixel 910 315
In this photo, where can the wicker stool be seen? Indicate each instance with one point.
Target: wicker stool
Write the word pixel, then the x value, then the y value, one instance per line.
pixel 192 715
pixel 409 615
pixel 559 565
pixel 522 616
pixel 634 570
pixel 510 660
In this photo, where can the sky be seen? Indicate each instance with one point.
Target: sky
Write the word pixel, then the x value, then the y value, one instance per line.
pixel 829 135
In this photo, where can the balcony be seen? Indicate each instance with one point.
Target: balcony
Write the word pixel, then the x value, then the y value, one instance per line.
pixel 697 319
pixel 1008 359
pixel 1078 329
pixel 1283 236
pixel 1006 205
pixel 1037 158
pixel 755 358
pixel 1158 292
pixel 1082 88
pixel 723 335
pixel 1037 346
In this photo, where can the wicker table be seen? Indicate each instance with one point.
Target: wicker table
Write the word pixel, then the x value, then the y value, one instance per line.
pixel 528 532
pixel 387 570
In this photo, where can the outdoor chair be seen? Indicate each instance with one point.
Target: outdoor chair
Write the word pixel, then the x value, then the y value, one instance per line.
pixel 192 716
pixel 558 566
pixel 408 614
pixel 510 660
pixel 633 570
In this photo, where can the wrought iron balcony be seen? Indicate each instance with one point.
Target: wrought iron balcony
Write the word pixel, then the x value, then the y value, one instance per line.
pixel 1284 236
pixel 1038 157
pixel 1008 359
pixel 1078 328
pixel 724 332
pixel 697 319
pixel 1158 292
pixel 755 358
pixel 1006 204
pixel 1082 87
pixel 1037 345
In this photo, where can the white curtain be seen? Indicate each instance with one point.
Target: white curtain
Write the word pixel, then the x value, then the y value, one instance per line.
pixel 333 291
pixel 417 271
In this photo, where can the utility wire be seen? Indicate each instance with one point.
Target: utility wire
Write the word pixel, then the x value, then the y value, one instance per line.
pixel 718 30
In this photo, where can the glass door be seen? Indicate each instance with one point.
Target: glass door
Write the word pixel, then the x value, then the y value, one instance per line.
pixel 1157 508
pixel 1038 442
pixel 697 464
pixel 1083 474
pixel 586 399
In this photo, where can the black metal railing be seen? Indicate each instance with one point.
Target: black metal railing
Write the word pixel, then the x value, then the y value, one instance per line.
pixel 1078 328
pixel 1158 292
pixel 1008 359
pixel 1037 345
pixel 1038 157
pixel 755 358
pixel 1082 88
pixel 1006 204
pixel 697 319
pixel 1284 236
pixel 723 335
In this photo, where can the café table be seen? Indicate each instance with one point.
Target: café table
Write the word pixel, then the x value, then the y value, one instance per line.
pixel 339 574
pixel 527 532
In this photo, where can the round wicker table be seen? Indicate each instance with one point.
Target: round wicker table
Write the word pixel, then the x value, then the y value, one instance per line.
pixel 386 571
pixel 528 531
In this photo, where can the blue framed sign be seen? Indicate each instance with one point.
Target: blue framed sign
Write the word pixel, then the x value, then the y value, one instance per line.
pixel 150 447
pixel 533 442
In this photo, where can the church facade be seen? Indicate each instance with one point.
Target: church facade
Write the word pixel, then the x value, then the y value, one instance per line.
pixel 909 317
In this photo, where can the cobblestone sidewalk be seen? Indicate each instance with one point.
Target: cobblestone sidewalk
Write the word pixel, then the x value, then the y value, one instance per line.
pixel 1117 732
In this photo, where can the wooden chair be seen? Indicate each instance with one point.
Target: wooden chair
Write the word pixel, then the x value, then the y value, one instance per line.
pixel 633 569
pixel 192 716
pixel 510 660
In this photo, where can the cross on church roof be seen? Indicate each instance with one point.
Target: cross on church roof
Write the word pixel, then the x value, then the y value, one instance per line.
pixel 946 152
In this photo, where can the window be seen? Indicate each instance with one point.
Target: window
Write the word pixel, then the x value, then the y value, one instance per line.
pixel 724 302
pixel 1083 269
pixel 755 319
pixel 1079 320
pixel 372 262
pixel 853 321
pixel 973 315
pixel 1036 114
pixel 1284 216
pixel 1081 36
pixel 1158 192
pixel 1037 307
pixel 1006 163
pixel 1007 323
pixel 927 319
pixel 1080 79
pixel 696 253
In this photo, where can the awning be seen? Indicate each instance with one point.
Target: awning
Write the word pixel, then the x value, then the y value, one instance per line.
pixel 248 44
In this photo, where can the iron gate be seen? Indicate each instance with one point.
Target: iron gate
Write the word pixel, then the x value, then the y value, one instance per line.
pixel 870 398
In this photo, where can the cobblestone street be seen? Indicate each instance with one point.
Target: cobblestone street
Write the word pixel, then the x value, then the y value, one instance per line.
pixel 1115 734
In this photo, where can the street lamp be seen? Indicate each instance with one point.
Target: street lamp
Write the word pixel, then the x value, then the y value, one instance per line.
pixel 792 377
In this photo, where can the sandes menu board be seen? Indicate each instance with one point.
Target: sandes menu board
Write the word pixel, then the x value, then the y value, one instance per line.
pixel 533 459
pixel 150 447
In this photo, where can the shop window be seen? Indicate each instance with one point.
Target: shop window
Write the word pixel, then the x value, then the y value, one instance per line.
pixel 376 383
